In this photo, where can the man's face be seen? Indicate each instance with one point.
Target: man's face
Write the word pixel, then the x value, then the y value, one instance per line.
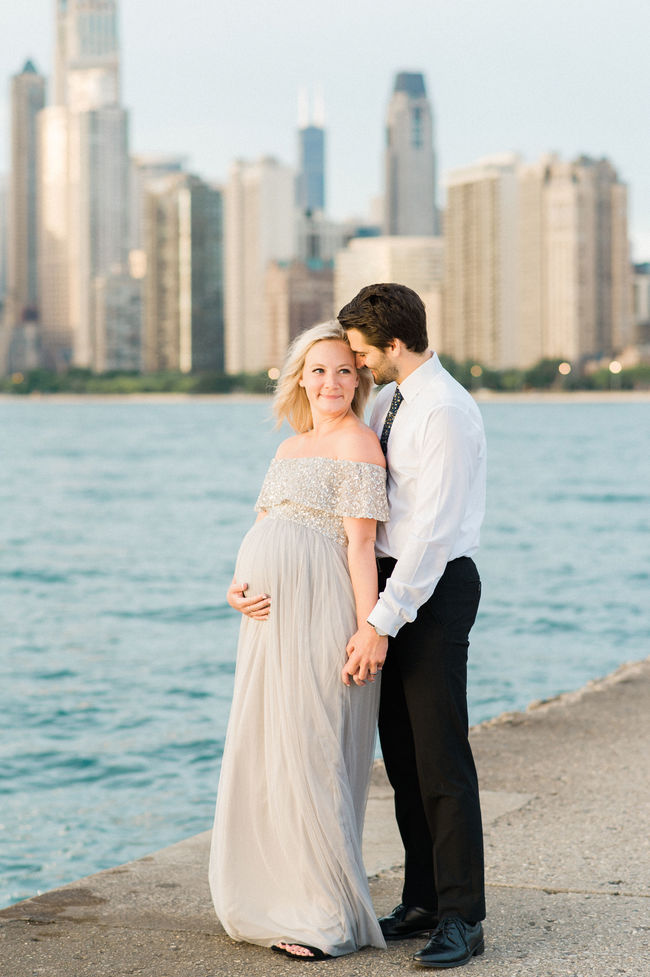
pixel 380 365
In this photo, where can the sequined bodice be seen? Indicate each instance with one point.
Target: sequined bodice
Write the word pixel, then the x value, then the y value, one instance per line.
pixel 321 492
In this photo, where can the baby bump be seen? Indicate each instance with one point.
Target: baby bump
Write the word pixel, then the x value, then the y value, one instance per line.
pixel 272 550
pixel 285 559
pixel 253 557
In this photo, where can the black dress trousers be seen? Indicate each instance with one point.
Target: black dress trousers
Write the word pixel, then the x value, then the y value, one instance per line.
pixel 423 729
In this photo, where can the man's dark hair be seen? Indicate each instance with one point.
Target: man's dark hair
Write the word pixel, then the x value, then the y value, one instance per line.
pixel 385 312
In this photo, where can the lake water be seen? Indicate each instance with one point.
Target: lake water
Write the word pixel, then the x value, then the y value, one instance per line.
pixel 120 526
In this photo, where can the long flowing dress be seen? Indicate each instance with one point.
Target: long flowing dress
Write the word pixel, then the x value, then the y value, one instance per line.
pixel 285 862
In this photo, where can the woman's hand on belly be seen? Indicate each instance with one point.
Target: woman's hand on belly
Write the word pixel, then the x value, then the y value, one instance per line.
pixel 258 607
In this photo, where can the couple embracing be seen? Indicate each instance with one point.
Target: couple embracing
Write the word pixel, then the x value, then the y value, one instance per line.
pixel 358 591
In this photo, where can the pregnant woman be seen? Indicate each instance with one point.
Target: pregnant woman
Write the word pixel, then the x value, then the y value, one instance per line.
pixel 286 869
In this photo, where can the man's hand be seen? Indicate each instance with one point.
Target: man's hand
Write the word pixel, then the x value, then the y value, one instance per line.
pixel 257 607
pixel 366 655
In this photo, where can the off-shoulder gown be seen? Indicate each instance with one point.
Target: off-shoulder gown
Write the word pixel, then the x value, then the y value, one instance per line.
pixel 285 862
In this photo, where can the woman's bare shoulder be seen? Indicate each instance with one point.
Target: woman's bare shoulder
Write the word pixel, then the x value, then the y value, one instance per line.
pixel 291 447
pixel 360 443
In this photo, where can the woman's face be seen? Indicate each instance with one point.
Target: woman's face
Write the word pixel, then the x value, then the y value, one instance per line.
pixel 329 377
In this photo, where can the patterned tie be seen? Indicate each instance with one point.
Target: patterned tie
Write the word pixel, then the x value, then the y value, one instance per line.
pixel 390 417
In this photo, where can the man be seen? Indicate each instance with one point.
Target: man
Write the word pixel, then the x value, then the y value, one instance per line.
pixel 432 434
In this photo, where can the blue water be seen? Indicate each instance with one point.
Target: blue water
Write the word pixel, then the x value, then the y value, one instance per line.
pixel 120 526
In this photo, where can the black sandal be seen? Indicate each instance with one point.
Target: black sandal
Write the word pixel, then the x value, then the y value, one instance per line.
pixel 316 954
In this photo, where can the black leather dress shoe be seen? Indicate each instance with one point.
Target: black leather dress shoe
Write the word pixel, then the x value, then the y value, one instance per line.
pixel 407 921
pixel 452 944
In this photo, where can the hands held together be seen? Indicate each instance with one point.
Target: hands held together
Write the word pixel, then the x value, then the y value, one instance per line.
pixel 366 651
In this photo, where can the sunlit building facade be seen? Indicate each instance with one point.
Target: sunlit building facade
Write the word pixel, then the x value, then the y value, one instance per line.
pixel 83 179
pixel 53 238
pixel 259 228
pixel 87 54
pixel 536 262
pixel 480 282
pixel 98 224
pixel 582 271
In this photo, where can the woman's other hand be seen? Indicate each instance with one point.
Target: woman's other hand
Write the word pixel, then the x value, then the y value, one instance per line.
pixel 257 607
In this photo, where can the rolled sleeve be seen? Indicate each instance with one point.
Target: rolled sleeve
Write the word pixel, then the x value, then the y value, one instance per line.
pixel 445 470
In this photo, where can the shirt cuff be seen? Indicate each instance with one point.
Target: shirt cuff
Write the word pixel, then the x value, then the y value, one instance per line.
pixel 381 617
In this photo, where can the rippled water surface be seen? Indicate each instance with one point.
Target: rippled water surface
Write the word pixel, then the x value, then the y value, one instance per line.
pixel 120 526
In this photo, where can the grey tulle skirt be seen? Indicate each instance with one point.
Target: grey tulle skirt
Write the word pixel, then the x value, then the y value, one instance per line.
pixel 286 861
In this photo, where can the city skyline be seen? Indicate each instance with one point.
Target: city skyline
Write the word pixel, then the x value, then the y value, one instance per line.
pixel 534 78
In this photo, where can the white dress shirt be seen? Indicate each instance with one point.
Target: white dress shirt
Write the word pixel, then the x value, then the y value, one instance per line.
pixel 436 487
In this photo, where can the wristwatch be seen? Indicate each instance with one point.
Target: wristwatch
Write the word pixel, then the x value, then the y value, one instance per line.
pixel 381 634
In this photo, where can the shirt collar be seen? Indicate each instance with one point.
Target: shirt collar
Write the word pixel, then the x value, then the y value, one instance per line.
pixel 414 382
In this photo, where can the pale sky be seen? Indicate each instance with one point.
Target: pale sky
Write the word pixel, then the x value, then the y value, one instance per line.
pixel 220 80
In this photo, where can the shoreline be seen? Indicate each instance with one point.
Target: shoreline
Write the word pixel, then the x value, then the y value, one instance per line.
pixel 379 787
pixel 567 866
pixel 483 395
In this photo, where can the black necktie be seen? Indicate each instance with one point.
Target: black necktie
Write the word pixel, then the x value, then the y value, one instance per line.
pixel 390 417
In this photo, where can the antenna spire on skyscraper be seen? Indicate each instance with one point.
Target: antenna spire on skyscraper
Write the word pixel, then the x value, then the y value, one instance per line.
pixel 303 108
pixel 319 107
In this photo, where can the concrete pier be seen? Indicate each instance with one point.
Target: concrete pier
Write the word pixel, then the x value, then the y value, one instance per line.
pixel 566 798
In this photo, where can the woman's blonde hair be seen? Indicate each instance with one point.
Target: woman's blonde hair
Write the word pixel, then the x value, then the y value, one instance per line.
pixel 290 402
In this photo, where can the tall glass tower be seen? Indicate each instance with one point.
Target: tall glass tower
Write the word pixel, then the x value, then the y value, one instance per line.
pixel 311 169
pixel 410 160
pixel 84 177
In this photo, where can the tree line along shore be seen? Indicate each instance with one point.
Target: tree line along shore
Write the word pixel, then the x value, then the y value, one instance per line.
pixel 545 375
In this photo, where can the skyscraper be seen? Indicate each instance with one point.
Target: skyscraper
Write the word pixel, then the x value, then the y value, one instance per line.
pixel 84 177
pixel 98 228
pixel 310 180
pixel 57 334
pixel 410 160
pixel 317 237
pixel 574 258
pixel 259 228
pixel 536 261
pixel 87 56
pixel 21 309
pixel 480 283
pixel 641 303
pixel 145 171
pixel 183 288
pixel 311 169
